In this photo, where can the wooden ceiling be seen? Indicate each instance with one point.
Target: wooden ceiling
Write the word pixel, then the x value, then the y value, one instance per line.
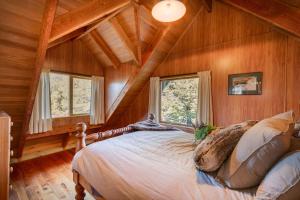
pixel 118 38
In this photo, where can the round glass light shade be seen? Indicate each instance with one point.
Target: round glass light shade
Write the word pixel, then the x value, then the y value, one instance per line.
pixel 168 10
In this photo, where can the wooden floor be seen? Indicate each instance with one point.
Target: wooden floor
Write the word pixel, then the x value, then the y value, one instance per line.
pixel 45 178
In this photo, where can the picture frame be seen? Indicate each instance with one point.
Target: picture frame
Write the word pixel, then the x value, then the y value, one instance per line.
pixel 245 83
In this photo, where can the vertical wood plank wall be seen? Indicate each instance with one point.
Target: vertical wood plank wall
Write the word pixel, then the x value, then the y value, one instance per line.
pixel 115 80
pixel 73 57
pixel 229 41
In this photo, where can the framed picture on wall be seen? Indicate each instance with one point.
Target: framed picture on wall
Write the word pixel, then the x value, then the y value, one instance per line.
pixel 245 84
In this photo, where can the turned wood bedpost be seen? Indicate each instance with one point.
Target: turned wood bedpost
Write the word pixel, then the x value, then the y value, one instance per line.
pixel 80 194
pixel 81 135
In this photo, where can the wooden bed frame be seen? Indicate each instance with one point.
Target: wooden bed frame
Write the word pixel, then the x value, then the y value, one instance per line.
pixel 81 184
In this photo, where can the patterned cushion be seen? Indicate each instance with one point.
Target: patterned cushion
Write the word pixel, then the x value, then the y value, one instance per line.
pixel 215 148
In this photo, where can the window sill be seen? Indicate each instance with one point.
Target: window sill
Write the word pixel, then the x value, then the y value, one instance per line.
pixel 181 127
pixel 71 116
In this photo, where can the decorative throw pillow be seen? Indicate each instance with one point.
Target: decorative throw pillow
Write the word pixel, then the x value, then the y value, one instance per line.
pixel 215 148
pixel 257 151
pixel 283 181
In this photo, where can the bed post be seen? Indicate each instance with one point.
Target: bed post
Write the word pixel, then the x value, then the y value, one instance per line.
pixel 80 194
pixel 81 129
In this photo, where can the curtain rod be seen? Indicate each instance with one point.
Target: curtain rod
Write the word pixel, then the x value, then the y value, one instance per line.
pixel 189 75
pixel 70 73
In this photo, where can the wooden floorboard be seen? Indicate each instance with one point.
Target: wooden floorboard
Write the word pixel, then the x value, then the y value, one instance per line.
pixel 45 178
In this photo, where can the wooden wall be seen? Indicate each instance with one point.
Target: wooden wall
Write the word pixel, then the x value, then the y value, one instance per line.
pixel 115 80
pixel 73 57
pixel 70 57
pixel 229 41
pixel 20 23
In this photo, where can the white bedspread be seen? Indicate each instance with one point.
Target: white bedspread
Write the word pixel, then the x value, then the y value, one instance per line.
pixel 149 165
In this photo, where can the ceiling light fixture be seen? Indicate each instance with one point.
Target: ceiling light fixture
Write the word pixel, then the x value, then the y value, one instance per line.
pixel 168 10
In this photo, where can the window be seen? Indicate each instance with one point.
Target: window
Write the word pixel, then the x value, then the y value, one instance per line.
pixel 178 100
pixel 70 95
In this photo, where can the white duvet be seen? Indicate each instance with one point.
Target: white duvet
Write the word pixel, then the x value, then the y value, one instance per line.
pixel 149 165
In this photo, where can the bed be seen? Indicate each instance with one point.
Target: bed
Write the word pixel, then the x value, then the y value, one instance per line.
pixel 145 165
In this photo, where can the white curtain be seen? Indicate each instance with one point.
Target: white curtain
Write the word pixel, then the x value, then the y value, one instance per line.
pixel 154 97
pixel 205 110
pixel 97 114
pixel 40 120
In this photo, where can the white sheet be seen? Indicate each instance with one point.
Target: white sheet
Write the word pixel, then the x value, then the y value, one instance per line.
pixel 150 165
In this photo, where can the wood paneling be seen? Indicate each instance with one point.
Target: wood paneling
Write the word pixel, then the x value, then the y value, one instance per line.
pixel 20 24
pixel 228 41
pixel 293 75
pixel 73 57
pixel 115 80
pixel 258 53
pixel 272 11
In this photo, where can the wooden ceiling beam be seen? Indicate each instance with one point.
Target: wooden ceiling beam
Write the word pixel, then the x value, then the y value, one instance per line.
pixel 126 40
pixel 106 49
pixel 137 16
pixel 82 16
pixel 105 19
pixel 150 49
pixel 65 38
pixel 48 18
pixel 207 4
pixel 272 11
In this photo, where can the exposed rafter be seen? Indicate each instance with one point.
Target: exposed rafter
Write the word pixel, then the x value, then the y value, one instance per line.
pixel 158 37
pixel 137 17
pixel 207 4
pixel 105 19
pixel 65 38
pixel 272 11
pixel 81 17
pixel 106 49
pixel 126 40
pixel 48 18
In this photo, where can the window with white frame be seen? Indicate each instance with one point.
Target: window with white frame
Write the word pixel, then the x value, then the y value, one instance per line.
pixel 178 100
pixel 70 95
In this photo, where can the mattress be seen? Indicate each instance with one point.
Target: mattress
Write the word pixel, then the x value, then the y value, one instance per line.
pixel 150 165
